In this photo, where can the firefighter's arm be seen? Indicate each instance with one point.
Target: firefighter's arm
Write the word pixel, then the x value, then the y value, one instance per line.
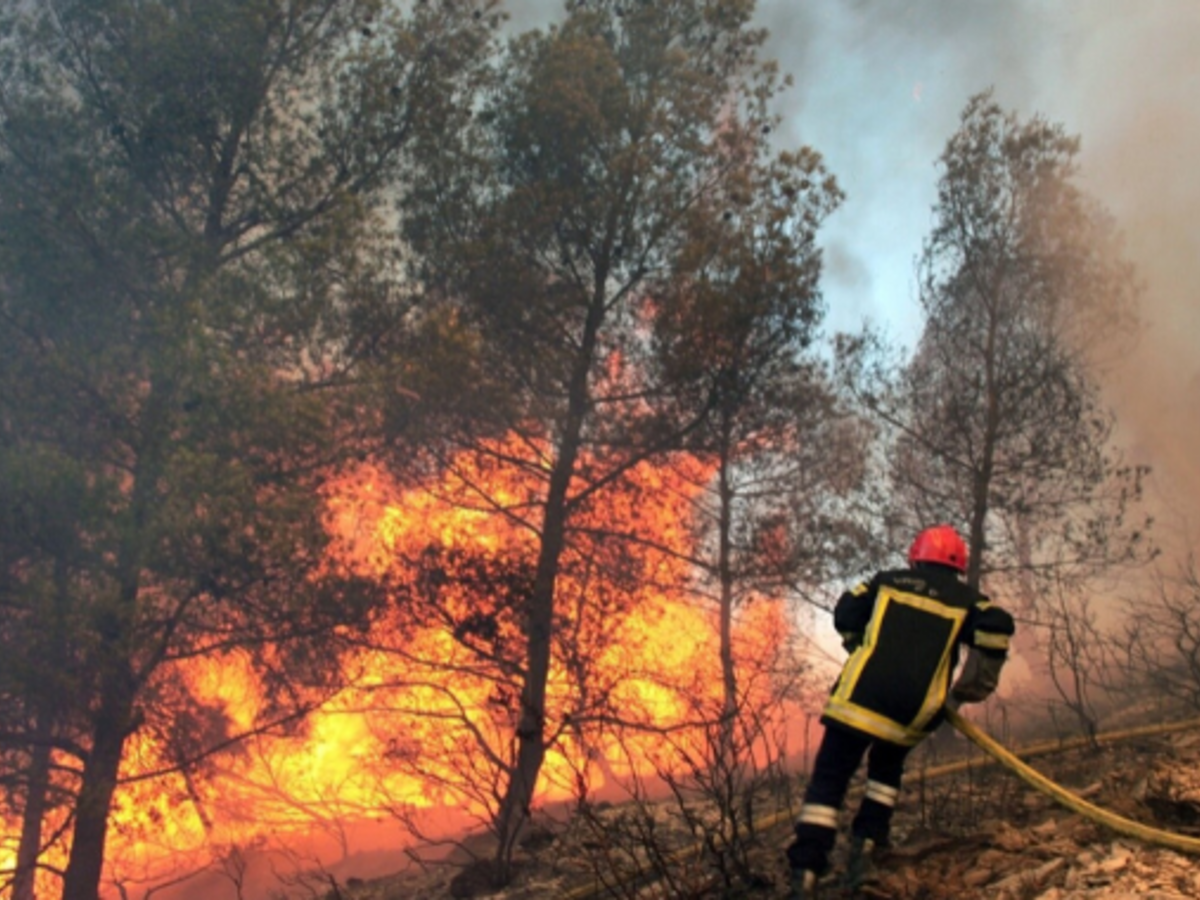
pixel 853 612
pixel 988 649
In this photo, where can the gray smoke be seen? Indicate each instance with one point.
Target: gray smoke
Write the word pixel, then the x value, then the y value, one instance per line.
pixel 1139 79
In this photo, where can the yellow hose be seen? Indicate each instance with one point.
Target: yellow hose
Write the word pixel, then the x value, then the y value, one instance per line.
pixel 1061 745
pixel 1040 782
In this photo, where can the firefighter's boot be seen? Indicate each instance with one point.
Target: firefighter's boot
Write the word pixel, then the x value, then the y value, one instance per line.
pixel 860 865
pixel 804 885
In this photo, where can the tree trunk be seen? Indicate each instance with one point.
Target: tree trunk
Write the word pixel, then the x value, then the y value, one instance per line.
pixel 514 807
pixel 729 703
pixel 531 725
pixel 982 487
pixel 30 846
pixel 38 791
pixel 979 509
pixel 118 686
pixel 85 864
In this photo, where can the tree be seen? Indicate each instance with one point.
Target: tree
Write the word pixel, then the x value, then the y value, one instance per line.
pixel 741 323
pixel 772 519
pixel 45 497
pixel 1076 657
pixel 554 226
pixel 997 419
pixel 193 267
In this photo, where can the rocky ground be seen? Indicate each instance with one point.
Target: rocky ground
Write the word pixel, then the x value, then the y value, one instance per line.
pixel 979 834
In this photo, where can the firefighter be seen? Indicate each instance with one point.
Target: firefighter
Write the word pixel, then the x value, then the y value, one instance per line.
pixel 903 629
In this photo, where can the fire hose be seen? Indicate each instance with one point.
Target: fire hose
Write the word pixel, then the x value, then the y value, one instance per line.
pixel 1073 802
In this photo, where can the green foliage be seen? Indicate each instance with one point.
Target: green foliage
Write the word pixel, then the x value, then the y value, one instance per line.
pixel 196 271
pixel 615 164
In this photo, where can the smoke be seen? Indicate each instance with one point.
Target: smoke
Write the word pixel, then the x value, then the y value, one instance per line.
pixel 1141 135
pixel 879 88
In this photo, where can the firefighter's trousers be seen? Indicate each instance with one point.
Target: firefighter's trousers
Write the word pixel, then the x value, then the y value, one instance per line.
pixel 840 754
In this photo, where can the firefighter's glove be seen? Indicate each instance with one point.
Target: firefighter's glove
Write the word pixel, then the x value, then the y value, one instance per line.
pixel 979 678
pixel 851 640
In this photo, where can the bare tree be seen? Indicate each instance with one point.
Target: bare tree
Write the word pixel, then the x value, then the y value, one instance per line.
pixel 695 802
pixel 1076 655
pixel 1159 646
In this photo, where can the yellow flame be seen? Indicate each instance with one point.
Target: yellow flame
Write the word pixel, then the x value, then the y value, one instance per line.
pixel 649 646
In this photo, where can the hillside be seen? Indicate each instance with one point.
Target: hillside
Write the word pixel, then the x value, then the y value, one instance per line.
pixel 978 834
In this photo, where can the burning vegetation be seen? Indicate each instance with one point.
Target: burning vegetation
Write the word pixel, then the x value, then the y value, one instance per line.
pixel 425 718
pixel 407 429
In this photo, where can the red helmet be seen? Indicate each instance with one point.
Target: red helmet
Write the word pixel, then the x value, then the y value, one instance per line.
pixel 939 544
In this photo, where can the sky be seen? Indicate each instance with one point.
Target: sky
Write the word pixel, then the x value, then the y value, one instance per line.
pixel 879 87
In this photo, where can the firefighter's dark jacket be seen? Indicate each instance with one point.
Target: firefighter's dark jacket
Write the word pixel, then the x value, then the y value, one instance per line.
pixel 904 628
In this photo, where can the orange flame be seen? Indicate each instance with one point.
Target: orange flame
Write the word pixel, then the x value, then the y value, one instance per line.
pixel 408 733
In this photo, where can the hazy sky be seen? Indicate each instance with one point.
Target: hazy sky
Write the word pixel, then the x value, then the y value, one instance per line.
pixel 880 86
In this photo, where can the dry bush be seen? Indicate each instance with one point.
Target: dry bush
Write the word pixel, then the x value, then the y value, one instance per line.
pixel 1158 650
pixel 694 820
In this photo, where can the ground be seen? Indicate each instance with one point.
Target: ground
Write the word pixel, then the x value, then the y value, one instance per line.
pixel 977 834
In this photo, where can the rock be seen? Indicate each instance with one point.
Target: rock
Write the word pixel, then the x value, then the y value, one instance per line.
pixel 978 877
pixel 1009 838
pixel 1117 860
pixel 573 865
pixel 1063 846
pixel 1020 883
pixel 1046 829
pixel 992 859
